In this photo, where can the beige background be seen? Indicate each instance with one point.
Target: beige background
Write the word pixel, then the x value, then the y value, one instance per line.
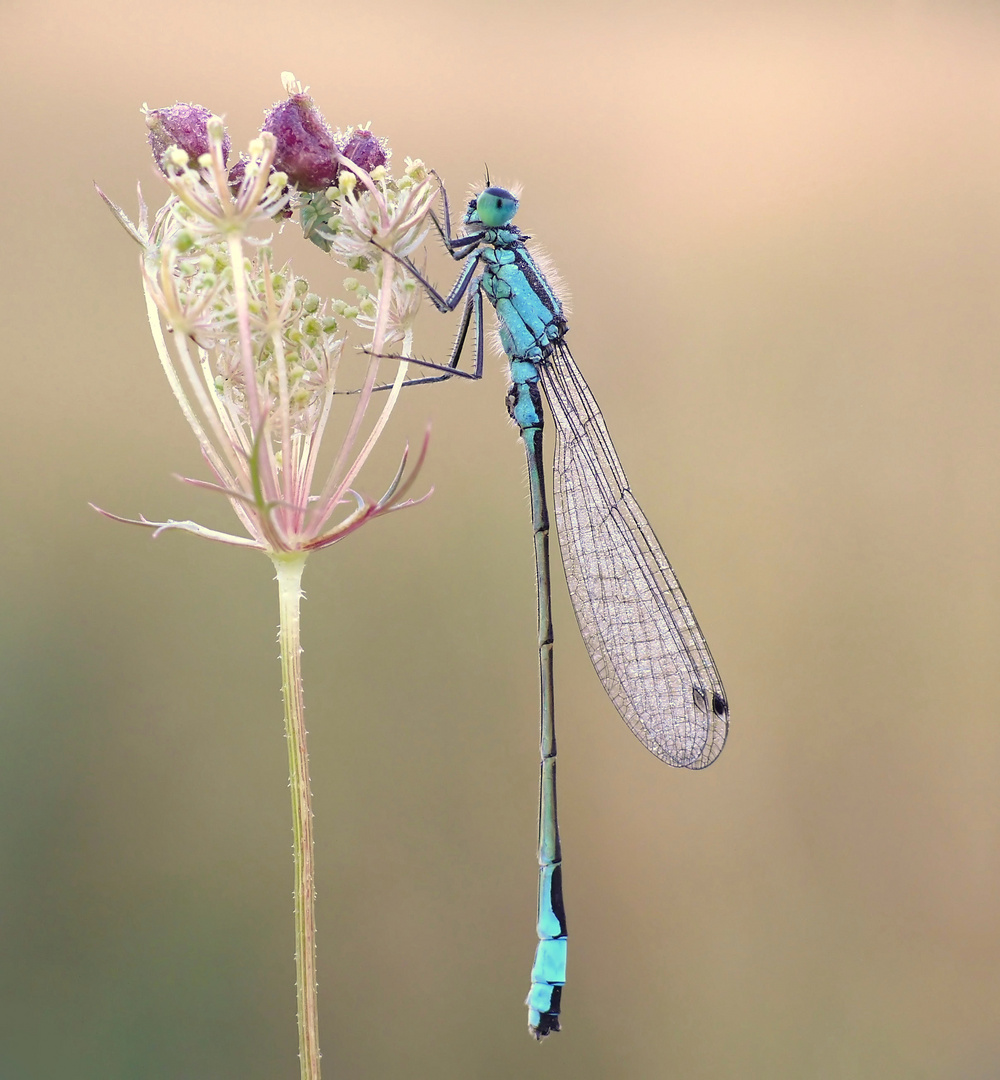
pixel 781 228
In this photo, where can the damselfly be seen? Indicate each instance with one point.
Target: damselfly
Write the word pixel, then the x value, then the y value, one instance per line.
pixel 640 631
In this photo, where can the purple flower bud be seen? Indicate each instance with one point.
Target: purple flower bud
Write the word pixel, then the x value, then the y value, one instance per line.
pixel 366 150
pixel 181 125
pixel 237 172
pixel 306 149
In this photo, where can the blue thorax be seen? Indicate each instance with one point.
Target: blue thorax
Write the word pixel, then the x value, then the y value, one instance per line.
pixel 529 312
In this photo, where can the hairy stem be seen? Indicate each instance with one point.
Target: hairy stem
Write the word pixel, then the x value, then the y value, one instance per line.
pixel 289 568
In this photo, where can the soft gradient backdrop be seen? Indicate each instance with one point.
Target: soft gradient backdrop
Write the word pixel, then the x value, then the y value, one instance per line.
pixel 780 224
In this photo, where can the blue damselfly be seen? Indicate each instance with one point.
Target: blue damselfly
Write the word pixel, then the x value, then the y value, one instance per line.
pixel 640 631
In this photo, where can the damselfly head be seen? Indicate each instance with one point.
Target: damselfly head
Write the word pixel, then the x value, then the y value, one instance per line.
pixel 493 208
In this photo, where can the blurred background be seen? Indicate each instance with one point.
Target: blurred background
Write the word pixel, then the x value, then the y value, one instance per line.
pixel 780 224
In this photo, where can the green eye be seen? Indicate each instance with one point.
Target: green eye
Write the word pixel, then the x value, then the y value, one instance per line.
pixel 495 207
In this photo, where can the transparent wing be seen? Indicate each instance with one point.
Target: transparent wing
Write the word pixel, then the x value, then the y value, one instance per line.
pixel 642 636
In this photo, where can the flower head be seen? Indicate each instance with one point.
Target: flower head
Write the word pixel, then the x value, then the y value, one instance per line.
pixel 305 147
pixel 184 126
pixel 366 150
pixel 251 351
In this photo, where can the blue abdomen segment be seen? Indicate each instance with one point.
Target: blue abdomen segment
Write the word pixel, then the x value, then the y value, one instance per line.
pixel 548 973
pixel 524 401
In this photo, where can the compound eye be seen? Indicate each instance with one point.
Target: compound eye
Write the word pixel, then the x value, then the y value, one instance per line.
pixel 495 207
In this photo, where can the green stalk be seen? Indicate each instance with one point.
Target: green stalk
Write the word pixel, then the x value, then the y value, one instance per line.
pixel 289 567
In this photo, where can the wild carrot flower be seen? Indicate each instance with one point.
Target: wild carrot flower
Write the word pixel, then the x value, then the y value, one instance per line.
pixel 252 354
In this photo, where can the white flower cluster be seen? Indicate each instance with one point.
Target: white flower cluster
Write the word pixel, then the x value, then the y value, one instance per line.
pixel 251 352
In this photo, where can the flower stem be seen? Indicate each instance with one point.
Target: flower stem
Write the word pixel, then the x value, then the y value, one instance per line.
pixel 289 566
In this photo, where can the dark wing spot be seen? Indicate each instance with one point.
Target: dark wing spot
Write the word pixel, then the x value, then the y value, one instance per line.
pixel 719 705
pixel 700 699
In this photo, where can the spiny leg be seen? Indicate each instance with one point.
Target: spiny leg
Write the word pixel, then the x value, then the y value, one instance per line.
pixel 454 244
pixel 473 306
pixel 447 303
